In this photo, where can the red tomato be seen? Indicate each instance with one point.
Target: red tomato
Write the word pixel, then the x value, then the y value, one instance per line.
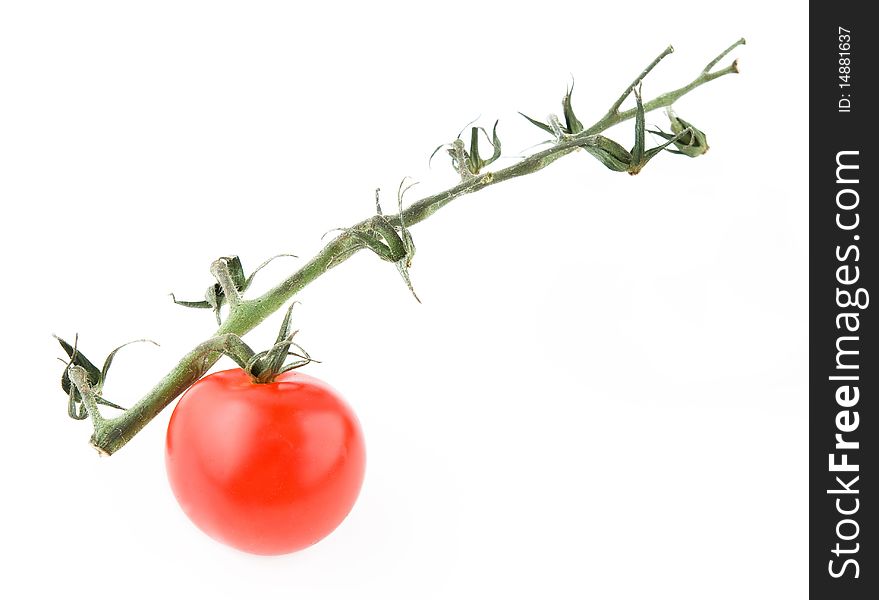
pixel 267 468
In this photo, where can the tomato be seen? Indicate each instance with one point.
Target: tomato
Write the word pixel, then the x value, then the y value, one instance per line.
pixel 268 468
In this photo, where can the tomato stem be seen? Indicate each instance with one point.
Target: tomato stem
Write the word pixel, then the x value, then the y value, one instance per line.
pixel 111 434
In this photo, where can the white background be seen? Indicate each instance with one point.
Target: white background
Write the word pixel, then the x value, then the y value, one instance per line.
pixel 604 392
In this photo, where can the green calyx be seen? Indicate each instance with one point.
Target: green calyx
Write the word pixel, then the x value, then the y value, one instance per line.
pixel 389 242
pixel 215 295
pixel 616 158
pixel 688 140
pixel 76 408
pixel 265 366
pixel 572 125
pixel 470 161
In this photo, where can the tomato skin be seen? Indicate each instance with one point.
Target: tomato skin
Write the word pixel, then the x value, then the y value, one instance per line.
pixel 266 468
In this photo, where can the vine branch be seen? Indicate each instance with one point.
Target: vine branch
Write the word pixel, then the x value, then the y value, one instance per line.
pixel 111 434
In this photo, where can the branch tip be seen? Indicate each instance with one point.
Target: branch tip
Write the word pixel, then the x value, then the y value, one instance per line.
pixel 719 57
pixel 615 108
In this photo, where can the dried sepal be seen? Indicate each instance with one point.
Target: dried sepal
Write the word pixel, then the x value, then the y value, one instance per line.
pixel 264 367
pixel 616 158
pixel 572 125
pixel 95 377
pixel 539 124
pixel 405 262
pixel 76 358
pixel 610 153
pixel 470 162
pixel 689 140
pixel 109 361
pixel 389 242
pixel 215 297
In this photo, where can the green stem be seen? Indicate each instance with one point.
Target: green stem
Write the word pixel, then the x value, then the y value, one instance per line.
pixel 111 434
